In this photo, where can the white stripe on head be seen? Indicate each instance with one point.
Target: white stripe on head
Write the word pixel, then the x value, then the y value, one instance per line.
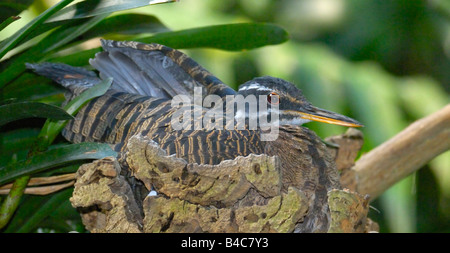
pixel 294 121
pixel 255 86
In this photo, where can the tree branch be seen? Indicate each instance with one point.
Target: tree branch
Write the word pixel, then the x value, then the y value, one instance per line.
pixel 403 154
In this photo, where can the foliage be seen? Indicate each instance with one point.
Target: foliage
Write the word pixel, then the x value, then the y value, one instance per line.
pixel 384 63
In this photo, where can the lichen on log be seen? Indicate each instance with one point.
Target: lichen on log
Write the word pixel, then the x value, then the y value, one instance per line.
pixel 349 145
pixel 280 214
pixel 219 185
pixel 104 198
pixel 348 211
pixel 245 194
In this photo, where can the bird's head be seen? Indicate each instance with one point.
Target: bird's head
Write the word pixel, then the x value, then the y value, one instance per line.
pixel 294 109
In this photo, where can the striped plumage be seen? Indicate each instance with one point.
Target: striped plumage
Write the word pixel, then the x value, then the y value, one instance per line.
pixel 116 116
pixel 146 78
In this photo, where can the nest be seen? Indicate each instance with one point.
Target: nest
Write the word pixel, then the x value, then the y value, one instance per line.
pixel 256 193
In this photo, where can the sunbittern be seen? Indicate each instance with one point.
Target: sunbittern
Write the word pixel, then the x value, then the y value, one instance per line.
pixel 146 78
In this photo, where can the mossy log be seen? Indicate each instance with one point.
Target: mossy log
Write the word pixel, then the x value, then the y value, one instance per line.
pixel 248 194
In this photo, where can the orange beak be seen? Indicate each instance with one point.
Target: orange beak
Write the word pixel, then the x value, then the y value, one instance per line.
pixel 325 116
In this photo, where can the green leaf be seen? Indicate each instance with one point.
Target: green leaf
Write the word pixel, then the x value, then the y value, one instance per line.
pixel 60 38
pixel 55 157
pixel 17 139
pixel 17 65
pixel 21 110
pixel 226 37
pixel 123 24
pixel 10 8
pixel 233 37
pixel 126 24
pixel 66 35
pixel 45 210
pixel 51 128
pixel 45 27
pixel 12 41
pixel 99 89
pixel 8 21
pixel 70 168
pixel 34 209
pixel 442 6
pixel 99 26
pixel 17 5
pixel 54 40
pixel 75 59
pixel 97 7
pixel 31 87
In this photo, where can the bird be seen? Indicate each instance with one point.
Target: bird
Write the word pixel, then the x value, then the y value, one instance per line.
pixel 148 78
pixel 145 79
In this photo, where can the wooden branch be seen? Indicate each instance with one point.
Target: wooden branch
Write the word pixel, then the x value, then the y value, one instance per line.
pixel 403 154
pixel 43 190
pixel 45 180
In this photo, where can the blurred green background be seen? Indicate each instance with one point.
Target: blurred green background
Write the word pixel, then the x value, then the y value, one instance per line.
pixel 384 63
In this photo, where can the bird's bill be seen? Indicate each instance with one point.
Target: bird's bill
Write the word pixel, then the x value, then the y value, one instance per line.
pixel 321 115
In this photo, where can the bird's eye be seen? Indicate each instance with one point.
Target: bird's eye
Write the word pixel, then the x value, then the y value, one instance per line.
pixel 273 98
